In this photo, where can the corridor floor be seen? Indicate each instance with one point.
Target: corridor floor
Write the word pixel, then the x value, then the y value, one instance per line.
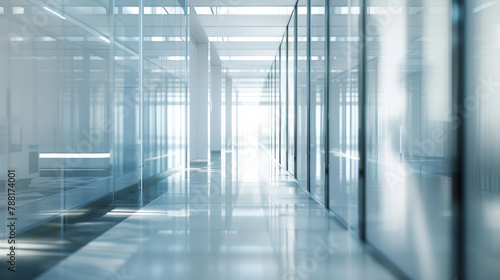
pixel 241 217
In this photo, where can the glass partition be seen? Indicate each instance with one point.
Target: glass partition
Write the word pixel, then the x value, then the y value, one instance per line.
pixel 317 102
pixel 71 100
pixel 302 92
pixel 409 136
pixel 343 110
pixel 276 108
pixel 164 72
pixel 412 126
pixel 126 96
pixel 57 120
pixel 291 93
pixel 481 119
pixel 283 104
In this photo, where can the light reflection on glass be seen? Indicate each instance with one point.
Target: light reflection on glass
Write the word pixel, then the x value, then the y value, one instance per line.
pixel 74 100
pixel 408 171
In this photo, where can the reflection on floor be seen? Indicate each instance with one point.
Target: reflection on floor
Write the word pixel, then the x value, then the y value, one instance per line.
pixel 43 246
pixel 239 218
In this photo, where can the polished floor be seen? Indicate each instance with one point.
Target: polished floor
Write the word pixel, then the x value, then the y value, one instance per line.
pixel 240 217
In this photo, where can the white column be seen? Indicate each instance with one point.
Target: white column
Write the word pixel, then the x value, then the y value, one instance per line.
pixel 198 101
pixel 193 92
pixel 215 110
pixel 203 117
pixel 229 115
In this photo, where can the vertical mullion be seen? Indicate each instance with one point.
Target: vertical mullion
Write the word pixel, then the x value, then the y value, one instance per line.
pixel 141 93
pixel 327 101
pixel 186 85
pixel 275 118
pixel 295 83
pixel 277 108
pixel 287 140
pixel 362 123
pixel 458 93
pixel 278 74
pixel 112 98
pixel 308 92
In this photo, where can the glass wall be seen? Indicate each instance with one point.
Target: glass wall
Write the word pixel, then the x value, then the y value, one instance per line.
pixel 414 116
pixel 82 83
pixel 276 89
pixel 276 98
pixel 317 101
pixel 283 104
pixel 291 66
pixel 127 97
pixel 343 110
pixel 302 92
pixel 481 117
pixel 409 138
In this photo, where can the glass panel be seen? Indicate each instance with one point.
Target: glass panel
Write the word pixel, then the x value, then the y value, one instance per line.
pixel 277 111
pixel 269 118
pixel 55 117
pixel 179 95
pixel 164 48
pixel 85 107
pixel 482 161
pixel 126 99
pixel 291 94
pixel 343 110
pixel 283 107
pixel 409 135
pixel 302 95
pixel 272 113
pixel 69 113
pixel 317 129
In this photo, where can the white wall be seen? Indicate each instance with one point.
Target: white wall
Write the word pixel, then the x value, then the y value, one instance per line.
pixel 229 115
pixel 198 100
pixel 215 108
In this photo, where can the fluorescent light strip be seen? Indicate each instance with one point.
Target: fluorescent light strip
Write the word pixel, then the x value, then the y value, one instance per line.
pixel 158 39
pixel 244 10
pixel 247 58
pixel 203 10
pixel 54 12
pixel 17 10
pixel 245 39
pixel 247 71
pixel 172 57
pixel 315 10
pixel 74 155
pixel 175 10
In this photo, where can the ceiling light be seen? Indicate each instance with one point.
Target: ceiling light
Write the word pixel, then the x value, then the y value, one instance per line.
pixel 158 39
pixel 247 58
pixel 244 10
pixel 17 10
pixel 204 10
pixel 174 10
pixel 245 39
pixel 74 155
pixel 130 10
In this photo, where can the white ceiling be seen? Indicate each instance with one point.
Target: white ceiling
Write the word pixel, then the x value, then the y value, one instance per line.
pixel 246 42
pixel 250 40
